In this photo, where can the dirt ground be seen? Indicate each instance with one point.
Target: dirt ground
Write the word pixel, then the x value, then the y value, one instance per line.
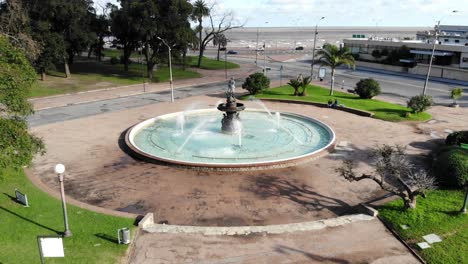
pixel 99 172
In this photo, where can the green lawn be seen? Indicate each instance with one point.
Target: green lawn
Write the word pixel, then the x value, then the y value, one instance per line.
pixel 211 64
pixel 92 75
pixel 382 110
pixel 118 52
pixel 94 234
pixel 439 214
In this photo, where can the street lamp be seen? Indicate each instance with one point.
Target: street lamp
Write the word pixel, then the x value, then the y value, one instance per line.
pixel 313 50
pixel 436 37
pixel 256 46
pixel 60 169
pixel 170 68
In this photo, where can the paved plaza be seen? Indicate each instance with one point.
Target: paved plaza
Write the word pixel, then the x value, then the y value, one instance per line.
pixel 101 173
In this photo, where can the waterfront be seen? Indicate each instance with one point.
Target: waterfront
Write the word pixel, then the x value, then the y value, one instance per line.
pixel 284 38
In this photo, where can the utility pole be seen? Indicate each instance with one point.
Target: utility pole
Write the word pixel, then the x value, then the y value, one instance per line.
pixel 313 50
pixel 264 60
pixel 436 39
pixel 256 49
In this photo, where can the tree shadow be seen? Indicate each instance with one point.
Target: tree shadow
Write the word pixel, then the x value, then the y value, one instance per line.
pixel 266 186
pixel 30 221
pixel 107 237
pixel 285 250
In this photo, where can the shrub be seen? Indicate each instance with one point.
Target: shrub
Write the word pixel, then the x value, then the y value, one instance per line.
pixel 114 60
pixel 256 83
pixel 455 94
pixel 367 88
pixel 457 138
pixel 420 103
pixel 451 167
pixel 384 52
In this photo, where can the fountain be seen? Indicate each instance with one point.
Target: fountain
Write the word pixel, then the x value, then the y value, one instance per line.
pixel 231 109
pixel 255 139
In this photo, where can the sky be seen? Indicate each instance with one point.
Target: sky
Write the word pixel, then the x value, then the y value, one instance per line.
pixel 306 13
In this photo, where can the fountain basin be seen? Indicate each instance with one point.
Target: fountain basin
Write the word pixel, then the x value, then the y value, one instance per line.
pixel 265 141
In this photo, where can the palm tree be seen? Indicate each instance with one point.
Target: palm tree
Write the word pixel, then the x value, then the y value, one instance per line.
pixel 200 10
pixel 332 56
pixel 220 40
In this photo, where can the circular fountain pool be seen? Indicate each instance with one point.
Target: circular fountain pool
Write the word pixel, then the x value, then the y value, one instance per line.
pixel 194 138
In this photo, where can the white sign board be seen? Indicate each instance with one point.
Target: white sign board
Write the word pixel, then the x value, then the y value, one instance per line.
pixel 51 247
pixel 322 72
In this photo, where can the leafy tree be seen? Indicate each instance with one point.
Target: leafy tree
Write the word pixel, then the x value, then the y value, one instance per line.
pixel 15 25
pixel 17 146
pixel 332 56
pixel 100 24
pixel 173 28
pixel 68 19
pixel 295 84
pixel 367 88
pixel 420 103
pixel 256 83
pixel 457 138
pixel 200 10
pixel 456 94
pixel 220 40
pixel 126 27
pixel 393 173
pixel 304 83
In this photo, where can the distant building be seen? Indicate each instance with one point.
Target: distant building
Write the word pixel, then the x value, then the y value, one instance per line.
pixel 451 51
pixel 449 35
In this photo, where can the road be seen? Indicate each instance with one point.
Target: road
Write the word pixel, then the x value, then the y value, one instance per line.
pixel 398 88
pixel 59 114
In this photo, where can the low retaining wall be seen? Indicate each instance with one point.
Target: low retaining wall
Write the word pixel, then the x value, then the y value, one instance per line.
pixel 345 109
pixel 441 72
pixel 380 66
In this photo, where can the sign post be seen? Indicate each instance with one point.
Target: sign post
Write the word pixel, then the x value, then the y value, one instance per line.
pixel 21 198
pixel 50 247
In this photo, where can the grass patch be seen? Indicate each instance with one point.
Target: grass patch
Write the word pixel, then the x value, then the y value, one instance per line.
pixel 93 233
pixel 91 75
pixel 211 64
pixel 117 53
pixel 382 110
pixel 439 214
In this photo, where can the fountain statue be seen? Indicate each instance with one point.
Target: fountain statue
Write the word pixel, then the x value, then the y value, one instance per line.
pixel 231 109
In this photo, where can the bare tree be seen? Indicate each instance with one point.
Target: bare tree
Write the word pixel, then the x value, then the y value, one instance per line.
pixel 217 27
pixel 394 173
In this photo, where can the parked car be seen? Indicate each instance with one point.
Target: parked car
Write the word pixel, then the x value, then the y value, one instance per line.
pixel 232 52
pixel 300 48
pixel 222 49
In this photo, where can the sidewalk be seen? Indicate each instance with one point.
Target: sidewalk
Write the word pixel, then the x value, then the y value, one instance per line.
pixel 209 76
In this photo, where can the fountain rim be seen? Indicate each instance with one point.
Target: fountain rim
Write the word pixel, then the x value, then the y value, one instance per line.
pixel 130 135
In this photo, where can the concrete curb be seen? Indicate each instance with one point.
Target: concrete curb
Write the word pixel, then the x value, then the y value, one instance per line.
pixel 247 230
pixel 322 105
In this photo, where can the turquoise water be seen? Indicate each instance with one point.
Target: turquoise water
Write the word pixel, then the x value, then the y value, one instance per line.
pixel 261 140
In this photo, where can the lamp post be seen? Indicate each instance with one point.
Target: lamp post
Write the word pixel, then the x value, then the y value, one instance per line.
pixel 436 37
pixel 256 45
pixel 60 169
pixel 463 210
pixel 313 50
pixel 170 69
